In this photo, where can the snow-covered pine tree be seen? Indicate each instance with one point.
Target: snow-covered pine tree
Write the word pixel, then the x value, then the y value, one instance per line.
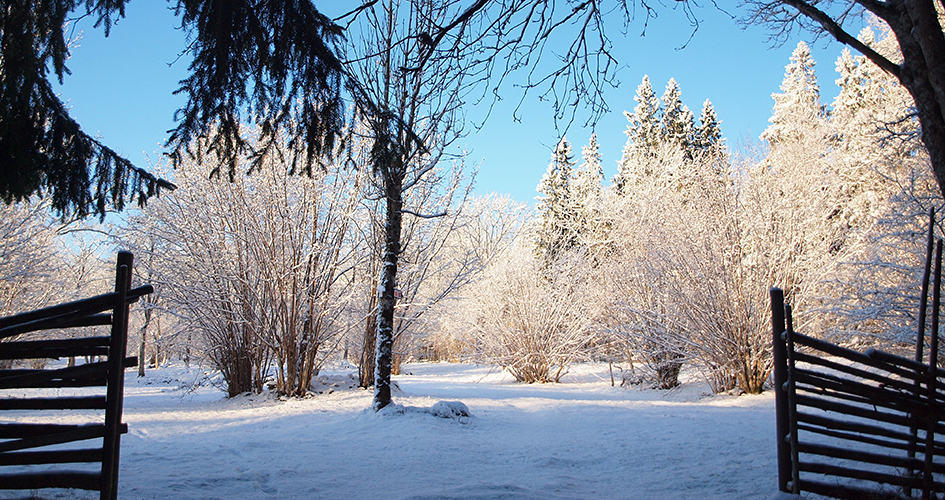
pixel 677 120
pixel 854 128
pixel 588 177
pixel 854 78
pixel 643 138
pixel 555 206
pixel 797 109
pixel 586 190
pixel 708 135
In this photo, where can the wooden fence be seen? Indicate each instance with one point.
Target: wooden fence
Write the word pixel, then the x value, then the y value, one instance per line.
pixel 25 440
pixel 858 425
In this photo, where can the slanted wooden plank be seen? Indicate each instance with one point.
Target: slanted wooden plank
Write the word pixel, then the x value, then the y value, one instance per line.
pixel 21 430
pixel 93 373
pixel 53 479
pixel 54 349
pixel 848 491
pixel 851 355
pixel 858 411
pixel 65 403
pixel 93 305
pixel 90 305
pixel 862 456
pixel 64 315
pixel 53 322
pixel 861 432
pixel 54 353
pixel 85 455
pixel 859 373
pixel 827 385
pixel 98 341
pixel 84 432
pixel 862 475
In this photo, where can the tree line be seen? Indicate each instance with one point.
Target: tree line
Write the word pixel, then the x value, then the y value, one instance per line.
pixel 271 276
pixel 670 263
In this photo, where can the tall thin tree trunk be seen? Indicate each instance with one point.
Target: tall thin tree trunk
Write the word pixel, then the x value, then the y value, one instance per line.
pixel 369 346
pixel 142 348
pixel 385 306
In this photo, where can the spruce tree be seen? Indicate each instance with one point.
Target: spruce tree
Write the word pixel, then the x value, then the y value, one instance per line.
pixel 42 149
pixel 588 177
pixel 677 120
pixel 708 135
pixel 272 63
pixel 555 205
pixel 797 109
pixel 643 138
pixel 586 188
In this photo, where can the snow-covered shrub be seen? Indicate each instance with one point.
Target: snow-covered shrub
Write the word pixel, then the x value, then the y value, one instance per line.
pixel 689 274
pixel 253 267
pixel 29 262
pixel 532 319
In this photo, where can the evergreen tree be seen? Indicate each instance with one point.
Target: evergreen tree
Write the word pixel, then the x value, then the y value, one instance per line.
pixel 644 135
pixel 42 149
pixel 797 109
pixel 870 107
pixel 708 135
pixel 852 80
pixel 677 120
pixel 271 62
pixel 586 188
pixel 589 176
pixel 555 205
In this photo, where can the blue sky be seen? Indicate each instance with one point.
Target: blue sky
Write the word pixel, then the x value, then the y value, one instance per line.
pixel 121 89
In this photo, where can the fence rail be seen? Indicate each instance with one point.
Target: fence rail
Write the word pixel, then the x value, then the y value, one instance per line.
pixel 25 442
pixel 867 425
pixel 855 425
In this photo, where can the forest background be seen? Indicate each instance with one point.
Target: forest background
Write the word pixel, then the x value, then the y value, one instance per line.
pixel 668 262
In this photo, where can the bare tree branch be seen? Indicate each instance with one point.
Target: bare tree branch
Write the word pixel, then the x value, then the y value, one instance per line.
pixel 842 36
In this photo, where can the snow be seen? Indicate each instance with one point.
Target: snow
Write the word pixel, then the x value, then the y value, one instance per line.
pixel 580 439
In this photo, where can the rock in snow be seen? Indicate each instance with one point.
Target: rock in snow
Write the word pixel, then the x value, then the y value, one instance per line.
pixel 449 409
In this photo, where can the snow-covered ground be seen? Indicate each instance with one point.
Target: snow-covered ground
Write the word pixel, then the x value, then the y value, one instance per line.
pixel 581 439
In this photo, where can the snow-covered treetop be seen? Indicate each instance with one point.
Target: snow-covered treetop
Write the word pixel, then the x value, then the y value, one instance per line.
pixel 798 105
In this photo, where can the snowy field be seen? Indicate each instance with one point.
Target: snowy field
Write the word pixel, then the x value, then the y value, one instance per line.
pixel 581 439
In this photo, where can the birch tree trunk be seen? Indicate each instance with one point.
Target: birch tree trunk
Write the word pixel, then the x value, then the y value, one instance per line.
pixel 386 301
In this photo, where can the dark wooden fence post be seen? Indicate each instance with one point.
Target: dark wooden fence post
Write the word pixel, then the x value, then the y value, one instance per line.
pixel 779 355
pixel 924 298
pixel 920 331
pixel 791 390
pixel 928 480
pixel 116 378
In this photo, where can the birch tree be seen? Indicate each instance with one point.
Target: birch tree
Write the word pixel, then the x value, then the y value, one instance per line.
pixel 417 96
